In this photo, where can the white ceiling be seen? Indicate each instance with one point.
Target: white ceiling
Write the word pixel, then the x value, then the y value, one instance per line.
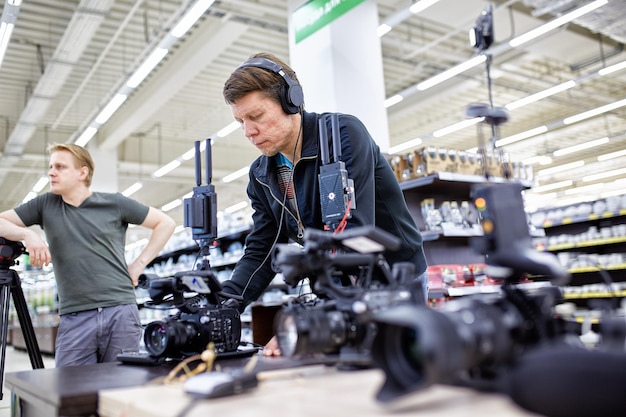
pixel 51 93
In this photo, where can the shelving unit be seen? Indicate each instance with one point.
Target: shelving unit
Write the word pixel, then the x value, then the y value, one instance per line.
pixel 445 246
pixel 589 246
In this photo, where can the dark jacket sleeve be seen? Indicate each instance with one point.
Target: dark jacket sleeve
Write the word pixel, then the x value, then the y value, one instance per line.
pixel 253 273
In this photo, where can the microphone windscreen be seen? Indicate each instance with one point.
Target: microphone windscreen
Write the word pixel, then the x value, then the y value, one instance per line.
pixel 569 382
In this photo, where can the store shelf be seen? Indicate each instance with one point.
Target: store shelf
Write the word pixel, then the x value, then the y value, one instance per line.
pixel 584 219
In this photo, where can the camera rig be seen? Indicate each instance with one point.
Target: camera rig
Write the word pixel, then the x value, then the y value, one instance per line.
pixel 351 280
pixel 202 315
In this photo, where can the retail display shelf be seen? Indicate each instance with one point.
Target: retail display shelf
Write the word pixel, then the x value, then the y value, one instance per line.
pixel 491 289
pixel 580 219
pixel 452 177
pixel 595 294
pixel 584 244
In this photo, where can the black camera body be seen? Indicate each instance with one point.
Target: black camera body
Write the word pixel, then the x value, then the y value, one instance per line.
pixel 10 251
pixel 189 334
pixel 203 316
pixel 349 287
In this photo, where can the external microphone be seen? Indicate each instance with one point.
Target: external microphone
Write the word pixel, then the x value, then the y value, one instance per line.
pixel 569 382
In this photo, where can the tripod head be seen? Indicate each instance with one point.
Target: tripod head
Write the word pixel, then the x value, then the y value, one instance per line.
pixel 9 252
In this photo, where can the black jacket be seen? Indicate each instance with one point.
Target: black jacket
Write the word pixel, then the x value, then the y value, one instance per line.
pixel 379 201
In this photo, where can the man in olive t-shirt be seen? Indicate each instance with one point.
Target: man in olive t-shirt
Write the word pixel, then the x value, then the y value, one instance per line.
pixel 85 233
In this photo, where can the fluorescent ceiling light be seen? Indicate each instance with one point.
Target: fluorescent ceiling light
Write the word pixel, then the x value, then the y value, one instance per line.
pixel 581 146
pixel 406 145
pixel 132 189
pixel 457 126
pixel 148 65
pixel 402 15
pixel 393 100
pixel 167 168
pixel 29 196
pixel 560 168
pixel 191 153
pixel 6 29
pixel 382 30
pixel 40 184
pixel 521 136
pixel 452 72
pixel 111 108
pixel 86 136
pixel 594 112
pixel 552 186
pixel 236 207
pixel 606 174
pixel 421 5
pixel 584 189
pixel 539 159
pixel 191 17
pixel 612 68
pixel 553 24
pixel 237 174
pixel 612 155
pixel 172 205
pixel 540 95
pixel 228 129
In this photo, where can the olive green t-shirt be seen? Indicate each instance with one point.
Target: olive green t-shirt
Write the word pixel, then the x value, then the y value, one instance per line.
pixel 87 247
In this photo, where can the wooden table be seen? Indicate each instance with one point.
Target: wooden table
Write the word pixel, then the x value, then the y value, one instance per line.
pixel 312 391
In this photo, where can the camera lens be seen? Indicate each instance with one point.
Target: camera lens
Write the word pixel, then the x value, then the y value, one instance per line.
pixel 301 330
pixel 155 338
pixel 171 338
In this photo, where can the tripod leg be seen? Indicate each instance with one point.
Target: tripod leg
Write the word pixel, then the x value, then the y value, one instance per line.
pixel 4 304
pixel 26 324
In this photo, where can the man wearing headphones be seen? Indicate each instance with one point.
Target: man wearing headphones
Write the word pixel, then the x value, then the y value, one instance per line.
pixel 266 98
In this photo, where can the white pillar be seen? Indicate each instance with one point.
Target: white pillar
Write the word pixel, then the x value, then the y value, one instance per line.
pixel 340 67
pixel 105 172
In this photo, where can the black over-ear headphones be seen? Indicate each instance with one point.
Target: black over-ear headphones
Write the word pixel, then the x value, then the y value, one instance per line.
pixel 292 97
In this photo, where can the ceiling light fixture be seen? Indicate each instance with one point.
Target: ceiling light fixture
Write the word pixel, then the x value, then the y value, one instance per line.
pixel 9 17
pixel 171 205
pixel 235 175
pixel 560 168
pixel 605 174
pixel 476 60
pixel 552 186
pixel 540 95
pixel 553 24
pixel 594 112
pixel 132 189
pixel 402 15
pixel 190 17
pixel 406 145
pixel 611 155
pixel 581 146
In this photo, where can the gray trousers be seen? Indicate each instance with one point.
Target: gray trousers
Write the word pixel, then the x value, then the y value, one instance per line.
pixel 99 335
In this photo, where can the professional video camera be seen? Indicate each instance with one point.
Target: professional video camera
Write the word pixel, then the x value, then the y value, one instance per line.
pixel 351 280
pixel 470 340
pixel 202 315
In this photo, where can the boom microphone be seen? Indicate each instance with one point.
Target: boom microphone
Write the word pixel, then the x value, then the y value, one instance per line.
pixel 569 382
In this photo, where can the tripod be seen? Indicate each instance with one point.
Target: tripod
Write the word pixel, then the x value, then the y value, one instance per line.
pixel 10 283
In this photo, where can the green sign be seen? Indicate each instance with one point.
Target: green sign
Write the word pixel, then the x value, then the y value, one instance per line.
pixel 315 14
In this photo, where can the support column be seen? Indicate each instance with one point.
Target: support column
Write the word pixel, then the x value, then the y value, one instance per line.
pixel 340 67
pixel 105 173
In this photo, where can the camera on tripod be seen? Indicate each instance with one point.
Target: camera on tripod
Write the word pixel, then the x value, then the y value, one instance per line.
pixel 202 315
pixel 351 280
pixel 10 251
